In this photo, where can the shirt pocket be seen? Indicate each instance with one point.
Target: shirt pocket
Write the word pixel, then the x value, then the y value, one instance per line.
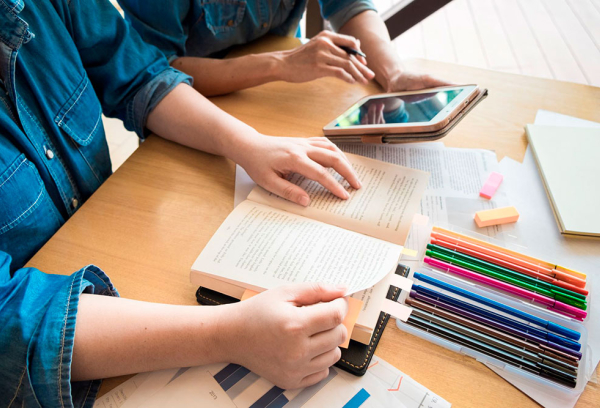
pixel 223 16
pixel 81 115
pixel 28 217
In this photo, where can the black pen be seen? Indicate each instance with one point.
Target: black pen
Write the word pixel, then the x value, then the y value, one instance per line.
pixel 352 51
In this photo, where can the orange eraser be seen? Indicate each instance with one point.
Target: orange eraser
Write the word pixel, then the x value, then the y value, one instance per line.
pixel 354 308
pixel 496 216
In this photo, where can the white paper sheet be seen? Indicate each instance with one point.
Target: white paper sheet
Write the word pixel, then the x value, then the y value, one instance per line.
pixel 537 230
pixel 118 396
pixel 229 385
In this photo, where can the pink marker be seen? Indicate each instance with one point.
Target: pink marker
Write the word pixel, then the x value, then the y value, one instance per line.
pixel 491 185
pixel 560 307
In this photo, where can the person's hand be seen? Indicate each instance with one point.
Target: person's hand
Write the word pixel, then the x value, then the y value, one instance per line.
pixel 269 160
pixel 412 81
pixel 321 57
pixel 374 114
pixel 290 335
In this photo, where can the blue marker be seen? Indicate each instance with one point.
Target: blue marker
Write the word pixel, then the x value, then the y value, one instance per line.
pixel 572 334
pixel 539 335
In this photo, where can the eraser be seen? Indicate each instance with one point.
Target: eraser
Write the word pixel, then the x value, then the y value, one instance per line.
pixel 491 185
pixel 496 216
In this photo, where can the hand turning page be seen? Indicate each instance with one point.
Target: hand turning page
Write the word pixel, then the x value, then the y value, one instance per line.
pixel 383 208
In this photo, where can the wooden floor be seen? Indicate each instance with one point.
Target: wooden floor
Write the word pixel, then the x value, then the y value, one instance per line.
pixel 557 39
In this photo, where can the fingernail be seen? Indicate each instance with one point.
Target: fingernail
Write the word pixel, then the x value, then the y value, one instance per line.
pixel 359 183
pixel 343 288
pixel 346 194
pixel 304 201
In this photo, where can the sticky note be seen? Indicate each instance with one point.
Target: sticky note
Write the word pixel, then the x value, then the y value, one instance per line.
pixel 354 308
pixel 496 216
pixel 248 294
pixel 491 185
pixel 409 252
pixel 401 282
pixel 397 310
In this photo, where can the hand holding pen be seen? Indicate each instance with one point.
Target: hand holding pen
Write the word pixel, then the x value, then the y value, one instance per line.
pixel 326 54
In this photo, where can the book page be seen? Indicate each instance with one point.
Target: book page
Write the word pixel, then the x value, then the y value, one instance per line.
pixel 383 208
pixel 260 247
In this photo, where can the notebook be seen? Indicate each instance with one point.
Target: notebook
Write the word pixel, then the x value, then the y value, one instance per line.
pixel 568 159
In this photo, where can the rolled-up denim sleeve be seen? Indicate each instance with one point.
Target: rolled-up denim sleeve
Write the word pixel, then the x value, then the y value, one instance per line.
pixel 37 330
pixel 339 12
pixel 160 23
pixel 130 77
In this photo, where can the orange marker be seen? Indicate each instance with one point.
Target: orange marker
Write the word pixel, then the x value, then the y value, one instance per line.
pixel 528 262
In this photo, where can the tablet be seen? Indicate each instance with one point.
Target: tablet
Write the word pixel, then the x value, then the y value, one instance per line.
pixel 403 112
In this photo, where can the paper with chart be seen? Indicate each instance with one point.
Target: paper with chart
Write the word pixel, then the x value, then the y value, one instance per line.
pixel 260 247
pixel 382 208
pixel 230 385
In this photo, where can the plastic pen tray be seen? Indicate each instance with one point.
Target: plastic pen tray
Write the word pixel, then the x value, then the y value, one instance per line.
pixel 547 385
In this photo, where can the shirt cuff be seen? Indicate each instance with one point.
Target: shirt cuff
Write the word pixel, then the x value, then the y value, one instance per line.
pixel 340 18
pixel 149 96
pixel 58 351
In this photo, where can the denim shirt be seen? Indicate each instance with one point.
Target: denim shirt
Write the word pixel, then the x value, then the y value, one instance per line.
pixel 208 28
pixel 62 63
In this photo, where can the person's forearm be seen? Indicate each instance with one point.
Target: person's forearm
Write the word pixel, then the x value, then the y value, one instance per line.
pixel 375 42
pixel 218 77
pixel 186 117
pixel 115 336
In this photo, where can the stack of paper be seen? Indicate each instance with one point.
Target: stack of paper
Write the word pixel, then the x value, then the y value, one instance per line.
pixel 230 385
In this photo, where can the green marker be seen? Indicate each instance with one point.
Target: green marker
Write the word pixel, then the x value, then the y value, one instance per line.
pixel 456 260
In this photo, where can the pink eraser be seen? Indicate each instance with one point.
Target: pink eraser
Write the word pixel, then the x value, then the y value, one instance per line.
pixel 491 185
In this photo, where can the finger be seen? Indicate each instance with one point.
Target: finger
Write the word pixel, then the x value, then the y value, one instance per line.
pixel 309 293
pixel 314 378
pixel 338 72
pixel 342 39
pixel 330 146
pixel 316 172
pixel 347 65
pixel 335 160
pixel 372 114
pixel 287 190
pixel 367 73
pixel 325 316
pixel 324 341
pixel 326 359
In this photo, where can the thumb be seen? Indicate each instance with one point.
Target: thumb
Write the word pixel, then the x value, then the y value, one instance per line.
pixel 305 294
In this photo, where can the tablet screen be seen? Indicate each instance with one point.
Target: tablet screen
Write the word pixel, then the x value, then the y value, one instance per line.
pixel 413 108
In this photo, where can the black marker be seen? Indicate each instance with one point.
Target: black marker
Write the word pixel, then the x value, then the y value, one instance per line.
pixel 352 51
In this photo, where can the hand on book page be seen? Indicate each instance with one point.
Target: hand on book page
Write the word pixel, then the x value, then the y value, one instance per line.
pixel 259 247
pixel 270 160
pixel 290 334
pixel 383 208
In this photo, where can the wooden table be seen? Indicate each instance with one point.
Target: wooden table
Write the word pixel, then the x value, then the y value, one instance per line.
pixel 147 224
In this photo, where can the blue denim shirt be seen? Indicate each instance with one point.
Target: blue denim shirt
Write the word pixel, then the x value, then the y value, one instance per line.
pixel 62 63
pixel 207 28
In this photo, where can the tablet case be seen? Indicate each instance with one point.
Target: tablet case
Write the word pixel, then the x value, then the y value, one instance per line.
pixel 356 358
pixel 411 137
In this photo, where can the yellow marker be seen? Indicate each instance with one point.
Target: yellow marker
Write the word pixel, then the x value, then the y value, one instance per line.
pixel 496 216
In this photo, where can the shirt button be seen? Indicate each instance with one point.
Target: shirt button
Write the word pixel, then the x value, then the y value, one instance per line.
pixel 265 25
pixel 230 23
pixel 74 203
pixel 49 154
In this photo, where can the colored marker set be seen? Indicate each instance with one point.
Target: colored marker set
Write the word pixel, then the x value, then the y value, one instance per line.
pixel 517 338
pixel 518 313
pixel 561 290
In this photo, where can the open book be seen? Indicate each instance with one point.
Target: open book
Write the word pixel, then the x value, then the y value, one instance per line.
pixel 268 241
